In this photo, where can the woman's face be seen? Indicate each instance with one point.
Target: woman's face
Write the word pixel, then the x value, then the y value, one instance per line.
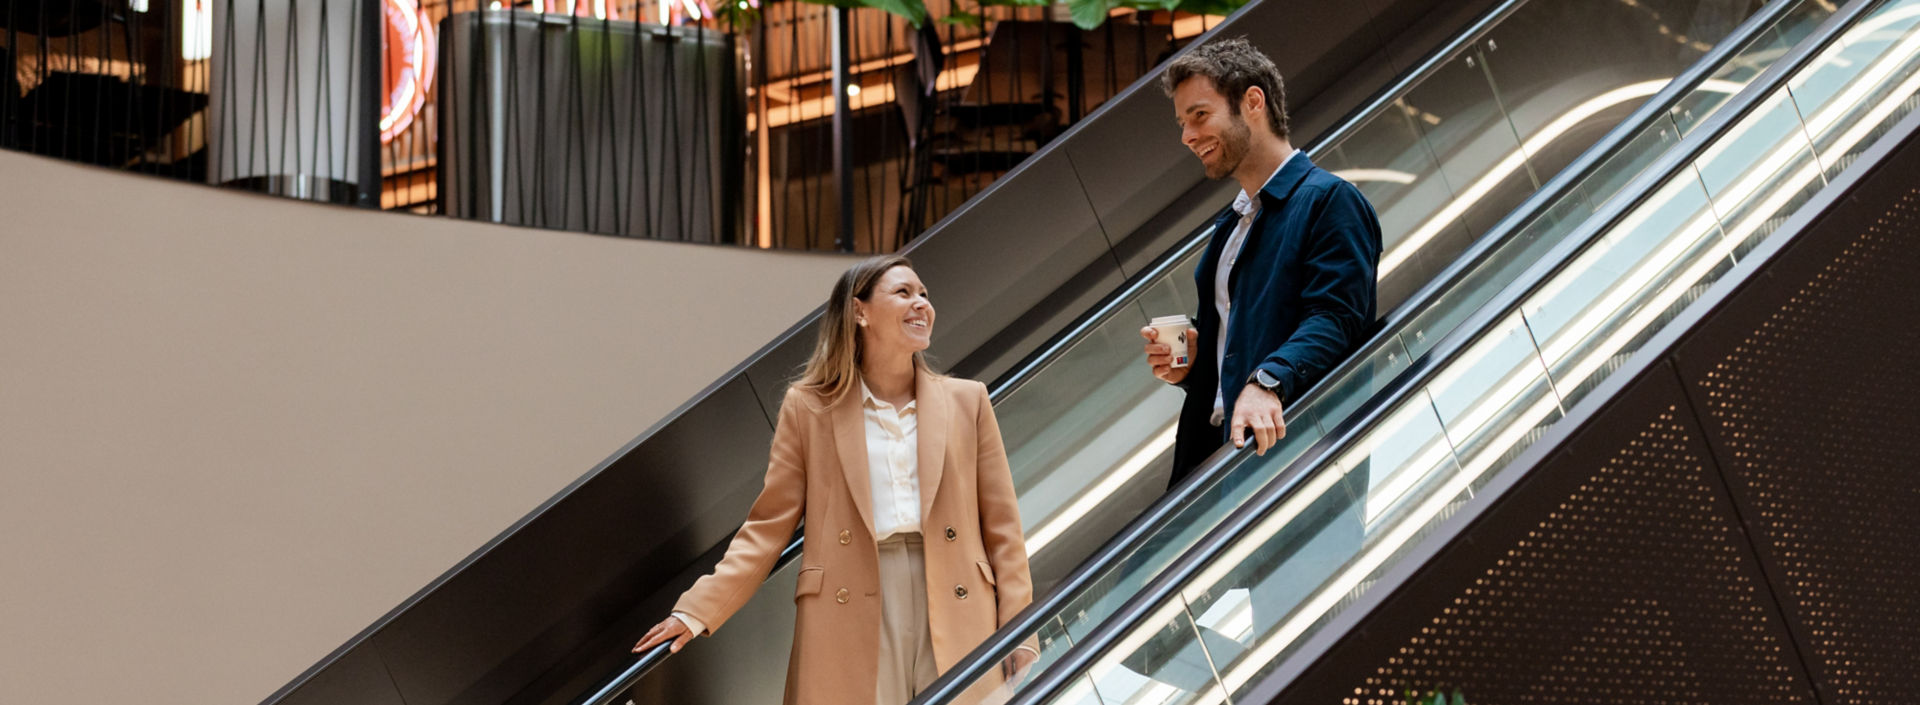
pixel 897 317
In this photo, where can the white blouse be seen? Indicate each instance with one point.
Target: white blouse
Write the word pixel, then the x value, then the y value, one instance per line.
pixel 893 464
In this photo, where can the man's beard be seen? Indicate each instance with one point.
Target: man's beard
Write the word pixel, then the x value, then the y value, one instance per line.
pixel 1234 145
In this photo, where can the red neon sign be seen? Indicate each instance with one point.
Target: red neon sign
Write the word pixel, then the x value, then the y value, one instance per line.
pixel 409 67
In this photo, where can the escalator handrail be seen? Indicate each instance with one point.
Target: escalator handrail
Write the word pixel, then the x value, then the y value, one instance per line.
pixel 1167 583
pixel 1168 504
pixel 1151 520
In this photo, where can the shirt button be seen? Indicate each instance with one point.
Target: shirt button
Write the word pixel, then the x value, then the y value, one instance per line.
pixel 959 591
pixel 841 596
pixel 846 537
pixel 951 535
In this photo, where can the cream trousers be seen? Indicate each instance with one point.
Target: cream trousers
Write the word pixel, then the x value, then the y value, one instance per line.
pixel 906 644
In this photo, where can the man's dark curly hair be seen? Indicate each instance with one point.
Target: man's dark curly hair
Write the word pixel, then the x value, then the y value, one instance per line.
pixel 1234 66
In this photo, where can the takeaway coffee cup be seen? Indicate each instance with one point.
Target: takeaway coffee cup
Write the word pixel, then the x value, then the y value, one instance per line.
pixel 1171 330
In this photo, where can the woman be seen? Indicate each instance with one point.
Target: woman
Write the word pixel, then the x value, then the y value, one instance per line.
pixel 913 550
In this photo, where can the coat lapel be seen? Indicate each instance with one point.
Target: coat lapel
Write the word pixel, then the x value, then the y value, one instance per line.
pixel 1273 197
pixel 850 438
pixel 932 407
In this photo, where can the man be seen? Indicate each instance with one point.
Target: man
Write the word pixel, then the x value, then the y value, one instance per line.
pixel 1287 281
pixel 1286 291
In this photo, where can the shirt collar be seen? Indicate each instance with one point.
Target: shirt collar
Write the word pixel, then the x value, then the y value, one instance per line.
pixel 870 401
pixel 1245 205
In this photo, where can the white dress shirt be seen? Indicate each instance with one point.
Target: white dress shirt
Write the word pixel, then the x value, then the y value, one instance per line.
pixel 1248 206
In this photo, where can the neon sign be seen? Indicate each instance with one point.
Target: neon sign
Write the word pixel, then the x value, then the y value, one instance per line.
pixel 409 66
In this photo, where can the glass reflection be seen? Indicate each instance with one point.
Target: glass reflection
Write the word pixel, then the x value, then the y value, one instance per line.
pixel 1166 664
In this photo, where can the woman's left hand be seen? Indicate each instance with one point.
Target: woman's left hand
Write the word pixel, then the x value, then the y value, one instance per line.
pixel 1016 665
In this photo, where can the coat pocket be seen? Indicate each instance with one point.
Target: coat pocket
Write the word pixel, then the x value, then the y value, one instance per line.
pixel 986 571
pixel 809 582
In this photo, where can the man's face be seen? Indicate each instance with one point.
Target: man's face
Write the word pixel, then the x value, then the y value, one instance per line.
pixel 1213 133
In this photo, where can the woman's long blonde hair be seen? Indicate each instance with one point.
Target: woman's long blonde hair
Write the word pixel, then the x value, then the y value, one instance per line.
pixel 834 369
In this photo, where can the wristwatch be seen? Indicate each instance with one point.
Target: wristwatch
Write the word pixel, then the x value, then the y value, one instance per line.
pixel 1265 381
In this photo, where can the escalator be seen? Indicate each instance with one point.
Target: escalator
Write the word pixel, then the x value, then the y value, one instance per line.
pixel 1446 152
pixel 557 594
pixel 1613 474
pixel 1472 184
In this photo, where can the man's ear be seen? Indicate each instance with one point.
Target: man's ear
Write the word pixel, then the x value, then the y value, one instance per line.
pixel 1254 101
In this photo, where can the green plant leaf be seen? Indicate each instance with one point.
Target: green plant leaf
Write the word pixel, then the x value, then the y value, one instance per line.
pixel 914 10
pixel 964 19
pixel 1017 3
pixel 1149 5
pixel 1089 14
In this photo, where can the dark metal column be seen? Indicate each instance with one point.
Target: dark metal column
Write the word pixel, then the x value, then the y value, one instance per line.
pixel 372 56
pixel 1077 72
pixel 842 124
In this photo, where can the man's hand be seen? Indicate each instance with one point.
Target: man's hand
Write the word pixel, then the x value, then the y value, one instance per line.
pixel 1258 410
pixel 1160 355
pixel 1014 667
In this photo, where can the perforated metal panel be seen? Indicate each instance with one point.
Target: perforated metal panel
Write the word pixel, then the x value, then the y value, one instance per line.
pixel 1739 523
pixel 1630 589
pixel 1815 412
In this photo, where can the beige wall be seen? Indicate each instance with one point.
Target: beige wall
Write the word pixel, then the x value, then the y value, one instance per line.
pixel 235 430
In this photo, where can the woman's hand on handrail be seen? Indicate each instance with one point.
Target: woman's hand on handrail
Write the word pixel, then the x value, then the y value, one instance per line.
pixel 669 629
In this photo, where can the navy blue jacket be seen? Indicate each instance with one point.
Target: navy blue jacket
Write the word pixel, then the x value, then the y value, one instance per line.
pixel 1303 298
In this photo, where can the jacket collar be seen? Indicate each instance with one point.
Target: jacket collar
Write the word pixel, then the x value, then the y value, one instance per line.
pixel 1243 204
pixel 1281 185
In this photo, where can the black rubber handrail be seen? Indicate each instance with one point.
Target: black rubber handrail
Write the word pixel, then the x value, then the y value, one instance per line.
pixel 1164 586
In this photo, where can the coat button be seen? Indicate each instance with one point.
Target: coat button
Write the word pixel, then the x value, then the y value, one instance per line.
pixel 846 537
pixel 841 596
pixel 951 535
pixel 960 591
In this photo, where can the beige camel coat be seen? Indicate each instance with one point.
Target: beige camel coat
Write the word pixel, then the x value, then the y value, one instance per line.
pixel 976 556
